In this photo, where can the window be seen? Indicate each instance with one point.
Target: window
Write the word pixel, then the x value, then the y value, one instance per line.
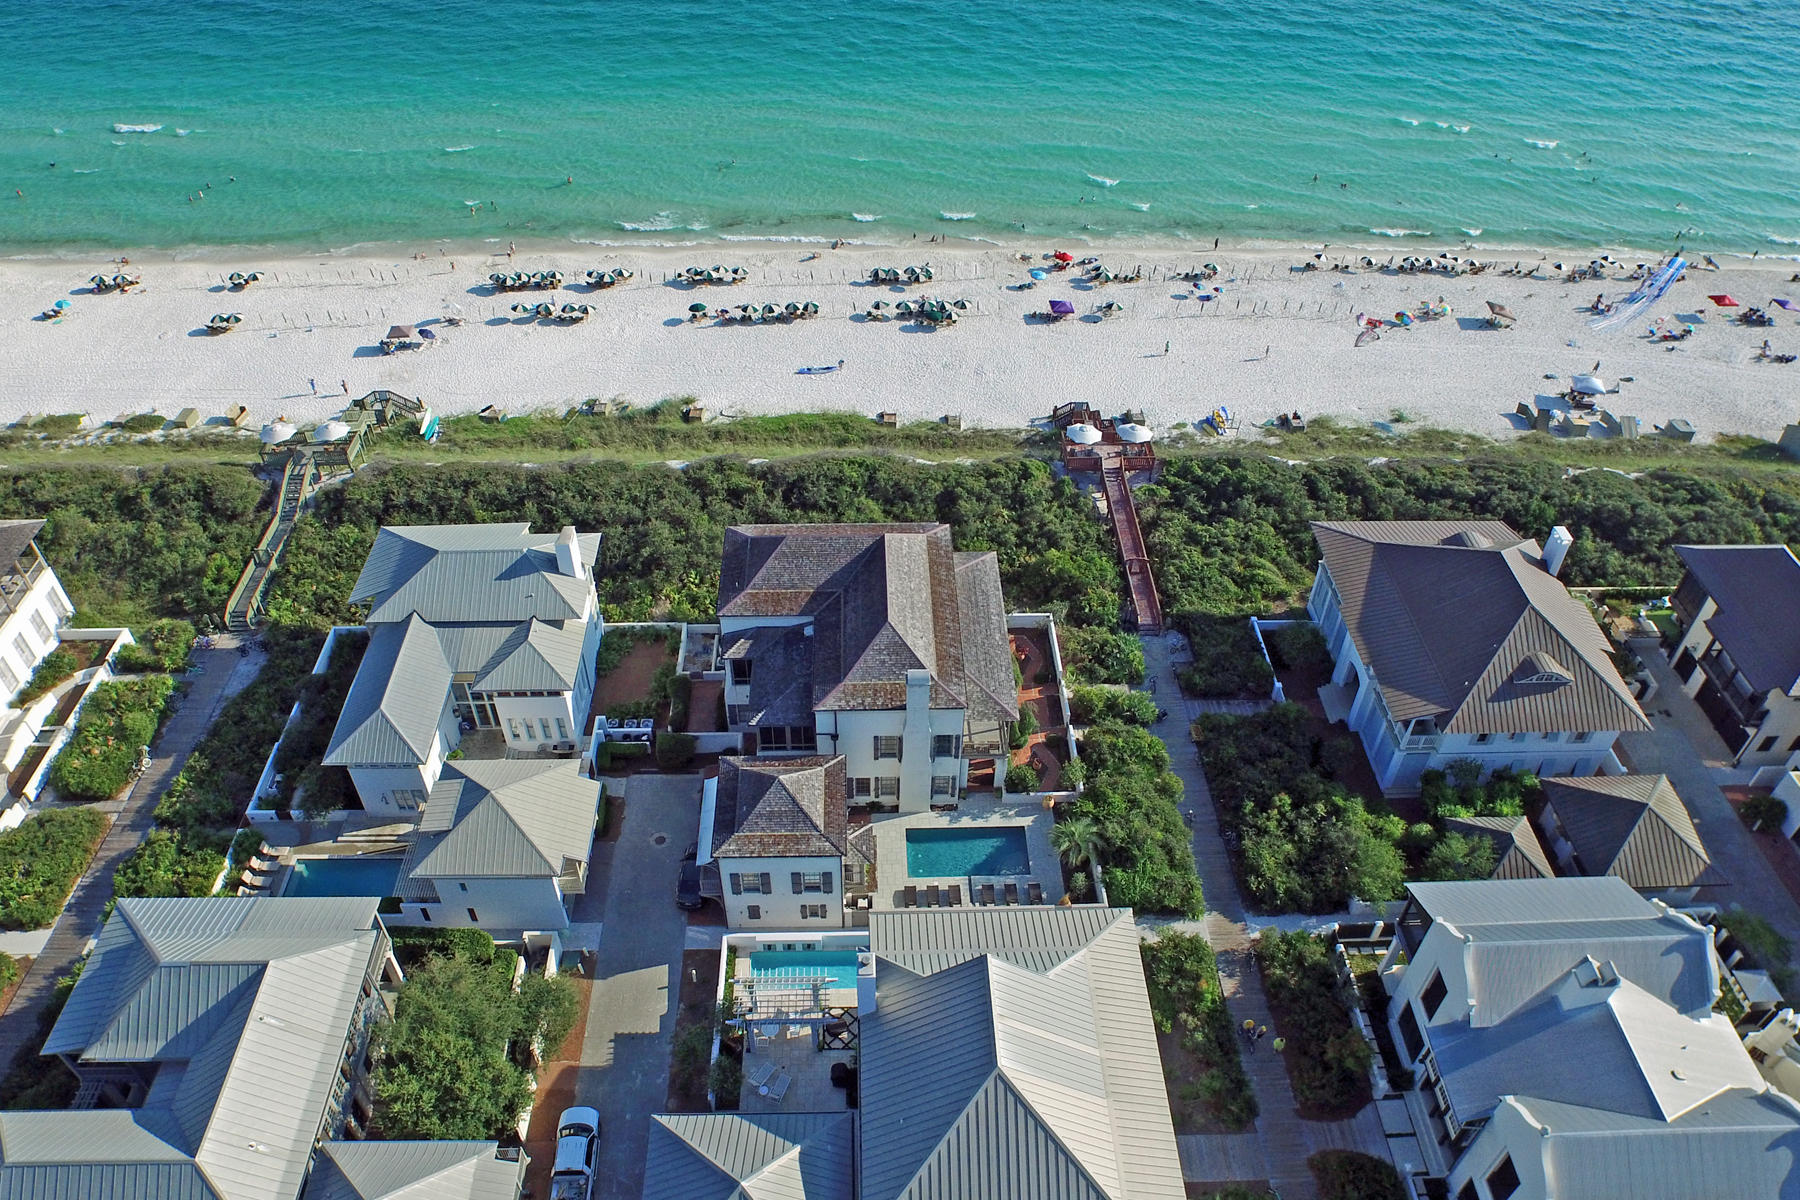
pixel 775 737
pixel 862 788
pixel 1551 737
pixel 8 675
pixel 1467 1191
pixel 1503 1180
pixel 943 785
pixel 472 916
pixel 1482 739
pixel 886 747
pixel 740 670
pixel 23 648
pixel 408 798
pixel 1434 995
pixel 812 912
pixel 544 724
pixel 42 626
pixel 512 725
pixel 1583 736
pixel 1409 1033
pixel 1766 744
pixel 944 745
pixel 562 730
pixel 462 885
pixel 811 882
pixel 734 714
pixel 887 787
pixel 750 882
pixel 753 911
pixel 426 914
pixel 1794 745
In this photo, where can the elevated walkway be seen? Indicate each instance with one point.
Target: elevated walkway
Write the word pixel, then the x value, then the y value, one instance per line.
pixel 1123 511
pixel 298 479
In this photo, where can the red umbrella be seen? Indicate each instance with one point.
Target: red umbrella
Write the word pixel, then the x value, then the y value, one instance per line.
pixel 1723 300
pixel 1063 256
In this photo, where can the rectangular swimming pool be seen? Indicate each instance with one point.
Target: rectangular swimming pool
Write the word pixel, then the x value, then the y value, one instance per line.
pixel 837 965
pixel 348 875
pixel 985 850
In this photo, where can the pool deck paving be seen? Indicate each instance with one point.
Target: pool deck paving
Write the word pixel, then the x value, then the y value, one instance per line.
pixel 891 871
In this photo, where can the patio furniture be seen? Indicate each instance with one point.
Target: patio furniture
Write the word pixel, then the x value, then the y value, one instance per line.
pixel 955 900
pixel 1034 892
pixel 1012 893
pixel 911 895
pixel 778 1086
pixel 757 1069
pixel 987 894
pixel 932 898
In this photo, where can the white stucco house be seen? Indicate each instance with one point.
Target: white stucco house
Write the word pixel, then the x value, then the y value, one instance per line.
pixel 503 846
pixel 33 606
pixel 470 627
pixel 780 836
pixel 1564 1044
pixel 1455 640
pixel 879 643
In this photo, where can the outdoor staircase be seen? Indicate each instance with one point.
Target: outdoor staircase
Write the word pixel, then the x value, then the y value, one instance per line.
pixel 244 607
pixel 1123 510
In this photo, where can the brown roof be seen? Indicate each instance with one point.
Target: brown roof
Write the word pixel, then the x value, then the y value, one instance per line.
pixel 781 808
pixel 15 539
pixel 883 600
pixel 1632 826
pixel 1757 589
pixel 1459 621
pixel 1517 852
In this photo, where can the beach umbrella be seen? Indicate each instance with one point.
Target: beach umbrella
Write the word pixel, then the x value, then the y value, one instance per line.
pixel 1062 308
pixel 60 304
pixel 276 432
pixel 1787 304
pixel 1085 434
pixel 1588 385
pixel 331 431
pixel 1040 274
pixel 697 307
pixel 1723 300
pixel 1501 311
pixel 1063 256
pixel 1133 433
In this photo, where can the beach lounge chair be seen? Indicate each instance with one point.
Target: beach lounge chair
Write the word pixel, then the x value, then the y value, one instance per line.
pixel 987 894
pixel 778 1086
pixel 757 1069
pixel 1541 422
pixel 1034 892
pixel 1012 893
pixel 955 900
pixel 1524 410
pixel 932 898
pixel 1677 429
pixel 1628 428
pixel 911 894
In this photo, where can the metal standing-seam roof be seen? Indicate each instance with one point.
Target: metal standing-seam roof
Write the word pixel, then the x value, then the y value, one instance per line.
pixel 750 1156
pixel 490 572
pixel 1459 621
pixel 781 808
pixel 370 1170
pixel 1632 826
pixel 983 1077
pixel 537 656
pixel 504 818
pixel 1517 852
pixel 392 710
pixel 1757 589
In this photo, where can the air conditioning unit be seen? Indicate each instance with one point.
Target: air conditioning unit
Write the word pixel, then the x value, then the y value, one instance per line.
pixel 563 747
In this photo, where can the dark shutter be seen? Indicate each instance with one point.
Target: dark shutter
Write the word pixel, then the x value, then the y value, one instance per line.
pixel 797 883
pixel 827 879
pixel 737 884
pixel 768 887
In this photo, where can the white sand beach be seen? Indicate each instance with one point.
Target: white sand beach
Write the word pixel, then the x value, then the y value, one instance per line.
pixel 1275 339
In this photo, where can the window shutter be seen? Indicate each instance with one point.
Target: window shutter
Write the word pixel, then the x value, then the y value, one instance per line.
pixel 737 884
pixel 796 883
pixel 768 888
pixel 876 749
pixel 827 878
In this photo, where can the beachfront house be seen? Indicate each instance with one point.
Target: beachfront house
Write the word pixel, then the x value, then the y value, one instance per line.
pixel 1633 826
pixel 880 643
pixel 502 846
pixel 33 606
pixel 488 630
pixel 1000 1052
pixel 779 833
pixel 1563 1043
pixel 1737 651
pixel 222 1050
pixel 1454 640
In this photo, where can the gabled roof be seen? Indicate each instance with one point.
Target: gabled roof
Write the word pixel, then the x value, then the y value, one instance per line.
pixel 781 808
pixel 1459 621
pixel 986 1078
pixel 750 1156
pixel 1757 589
pixel 15 539
pixel 537 656
pixel 1632 826
pixel 370 1170
pixel 504 818
pixel 1517 852
pixel 490 572
pixel 246 1051
pixel 391 712
pixel 883 600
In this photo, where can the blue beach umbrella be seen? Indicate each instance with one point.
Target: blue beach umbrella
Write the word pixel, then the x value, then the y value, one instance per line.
pixel 1040 274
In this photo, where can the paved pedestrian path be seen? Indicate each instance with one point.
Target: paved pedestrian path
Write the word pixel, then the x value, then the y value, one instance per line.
pixel 224 674
pixel 1284 1137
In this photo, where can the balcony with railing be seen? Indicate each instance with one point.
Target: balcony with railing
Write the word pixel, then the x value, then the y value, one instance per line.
pixel 15 584
pixel 1745 703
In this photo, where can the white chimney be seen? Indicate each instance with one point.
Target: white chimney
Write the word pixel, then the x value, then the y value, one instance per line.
pixel 568 554
pixel 1556 548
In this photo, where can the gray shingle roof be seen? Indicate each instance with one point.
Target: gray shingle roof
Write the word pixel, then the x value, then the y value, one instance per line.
pixel 492 572
pixel 781 677
pixel 247 1060
pixel 987 1078
pixel 1632 826
pixel 1517 852
pixel 15 539
pixel 1757 589
pixel 504 818
pixel 1447 613
pixel 884 599
pixel 780 808
pixel 535 656
pixel 391 712
pixel 750 1156
pixel 371 1170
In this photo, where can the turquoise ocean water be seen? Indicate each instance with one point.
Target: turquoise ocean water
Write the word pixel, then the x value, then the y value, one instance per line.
pixel 1581 123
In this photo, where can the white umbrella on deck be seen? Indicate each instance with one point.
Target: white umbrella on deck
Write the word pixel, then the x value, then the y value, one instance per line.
pixel 1134 433
pixel 1087 435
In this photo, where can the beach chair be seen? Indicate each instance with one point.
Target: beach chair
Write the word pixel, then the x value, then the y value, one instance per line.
pixel 1524 410
pixel 1628 428
pixel 987 894
pixel 1034 892
pixel 778 1086
pixel 757 1070
pixel 955 900
pixel 1012 893
pixel 911 893
pixel 1541 422
pixel 932 898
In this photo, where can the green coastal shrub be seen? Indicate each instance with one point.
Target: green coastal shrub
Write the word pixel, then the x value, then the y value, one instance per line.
pixel 1096 654
pixel 1297 646
pixel 1021 779
pixel 1133 799
pixel 675 751
pixel 1352 1175
pixel 1186 998
pixel 1092 705
pixel 40 860
pixel 1326 1057
pixel 119 719
pixel 1228 662
pixel 170 864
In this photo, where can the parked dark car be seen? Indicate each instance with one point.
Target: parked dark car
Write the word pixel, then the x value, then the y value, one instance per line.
pixel 687 887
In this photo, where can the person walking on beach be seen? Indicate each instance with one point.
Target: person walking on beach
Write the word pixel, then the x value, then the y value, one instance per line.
pixel 346 384
pixel 314 385
pixel 1165 349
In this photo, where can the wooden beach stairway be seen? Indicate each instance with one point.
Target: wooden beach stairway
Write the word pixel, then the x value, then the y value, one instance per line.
pixel 244 607
pixel 1123 510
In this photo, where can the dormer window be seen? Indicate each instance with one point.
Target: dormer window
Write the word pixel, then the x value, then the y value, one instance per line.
pixel 1541 669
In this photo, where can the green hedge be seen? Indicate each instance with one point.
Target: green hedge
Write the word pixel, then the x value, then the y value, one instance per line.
pixel 1186 998
pixel 117 720
pixel 1327 1059
pixel 41 859
pixel 1022 779
pixel 1092 705
pixel 56 666
pixel 1351 1175
pixel 1228 662
pixel 171 864
pixel 321 789
pixel 1132 797
pixel 1096 654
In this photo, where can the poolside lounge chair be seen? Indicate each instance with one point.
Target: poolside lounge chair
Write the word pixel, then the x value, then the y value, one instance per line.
pixel 932 897
pixel 986 894
pixel 955 900
pixel 757 1069
pixel 778 1086
pixel 1034 892
pixel 911 895
pixel 1012 893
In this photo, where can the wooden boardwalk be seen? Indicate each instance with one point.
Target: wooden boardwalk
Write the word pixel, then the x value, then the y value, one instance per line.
pixel 1123 511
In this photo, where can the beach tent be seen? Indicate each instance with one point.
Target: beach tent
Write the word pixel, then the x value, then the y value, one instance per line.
pixel 1039 274
pixel 1787 304
pixel 1588 385
pixel 1133 433
pixel 1083 434
pixel 1723 300
pixel 401 333
pixel 1501 311
pixel 1062 308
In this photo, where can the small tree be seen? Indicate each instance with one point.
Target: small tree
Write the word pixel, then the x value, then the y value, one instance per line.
pixel 1763 811
pixel 1021 778
pixel 674 750
pixel 1079 842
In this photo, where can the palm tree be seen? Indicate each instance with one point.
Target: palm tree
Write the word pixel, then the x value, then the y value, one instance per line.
pixel 1079 842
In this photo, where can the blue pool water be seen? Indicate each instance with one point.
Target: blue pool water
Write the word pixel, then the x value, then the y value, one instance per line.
pixel 839 965
pixel 941 853
pixel 358 876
